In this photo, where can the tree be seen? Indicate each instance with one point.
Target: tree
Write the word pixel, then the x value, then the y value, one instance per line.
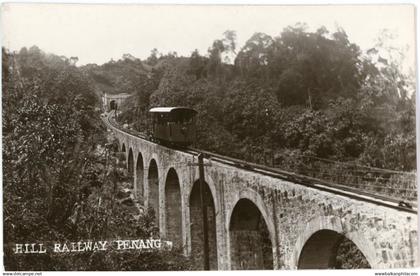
pixel 215 59
pixel 229 41
pixel 153 58
pixel 197 65
pixel 253 56
pixel 321 67
pixel 62 178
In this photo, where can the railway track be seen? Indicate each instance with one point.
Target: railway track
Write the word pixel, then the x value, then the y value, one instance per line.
pixel 303 180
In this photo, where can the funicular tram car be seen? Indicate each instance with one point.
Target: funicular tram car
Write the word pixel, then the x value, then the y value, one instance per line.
pixel 173 125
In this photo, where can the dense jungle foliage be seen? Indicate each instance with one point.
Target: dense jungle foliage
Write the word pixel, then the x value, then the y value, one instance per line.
pixel 273 101
pixel 62 181
pixel 298 94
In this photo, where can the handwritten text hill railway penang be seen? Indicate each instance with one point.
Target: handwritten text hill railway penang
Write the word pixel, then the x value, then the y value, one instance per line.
pixel 84 246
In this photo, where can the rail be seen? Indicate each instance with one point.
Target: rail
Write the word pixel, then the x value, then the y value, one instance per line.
pixel 308 181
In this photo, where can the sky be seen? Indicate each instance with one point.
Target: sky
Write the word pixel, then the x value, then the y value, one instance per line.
pixel 96 33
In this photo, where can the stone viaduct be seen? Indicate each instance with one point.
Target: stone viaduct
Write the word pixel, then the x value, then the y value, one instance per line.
pixel 262 222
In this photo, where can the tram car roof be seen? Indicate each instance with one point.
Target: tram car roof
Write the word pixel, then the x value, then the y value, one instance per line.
pixel 173 110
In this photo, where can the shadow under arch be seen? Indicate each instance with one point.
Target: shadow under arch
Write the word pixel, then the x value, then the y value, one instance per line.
pixel 130 166
pixel 196 226
pixel 251 234
pixel 321 245
pixel 173 208
pixel 153 188
pixel 139 176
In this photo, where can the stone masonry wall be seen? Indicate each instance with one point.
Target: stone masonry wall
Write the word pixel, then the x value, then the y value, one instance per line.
pixel 292 212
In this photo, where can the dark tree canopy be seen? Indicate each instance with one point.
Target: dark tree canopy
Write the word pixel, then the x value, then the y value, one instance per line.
pixel 314 93
pixel 60 181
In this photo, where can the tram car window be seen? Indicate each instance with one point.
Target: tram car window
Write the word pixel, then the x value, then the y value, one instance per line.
pixel 173 125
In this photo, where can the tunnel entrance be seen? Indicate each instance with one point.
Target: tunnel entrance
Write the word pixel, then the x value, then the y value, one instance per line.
pixel 173 213
pixel 140 176
pixel 327 249
pixel 250 241
pixel 196 227
pixel 153 181
pixel 131 167
pixel 112 105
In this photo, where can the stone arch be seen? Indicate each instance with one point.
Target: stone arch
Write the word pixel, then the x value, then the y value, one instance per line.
pixel 173 208
pixel 316 247
pixel 153 188
pixel 130 166
pixel 122 155
pixel 251 234
pixel 196 226
pixel 139 176
pixel 117 144
pixel 210 183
